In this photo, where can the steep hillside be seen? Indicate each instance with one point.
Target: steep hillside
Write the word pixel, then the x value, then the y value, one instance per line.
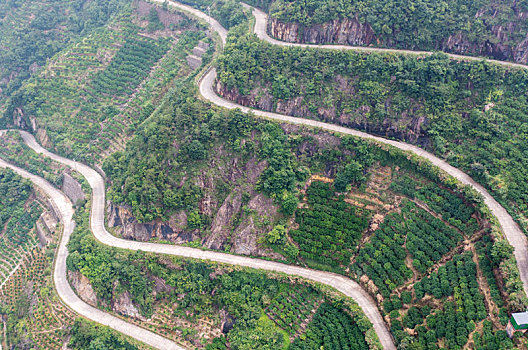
pixel 33 31
pixel 204 305
pixel 228 12
pixel 33 317
pixel 223 180
pixel 471 113
pixel 91 96
pixel 490 28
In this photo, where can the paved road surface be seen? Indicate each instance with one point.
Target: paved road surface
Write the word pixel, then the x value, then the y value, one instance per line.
pixel 261 19
pixel 511 230
pixel 63 206
pixel 345 285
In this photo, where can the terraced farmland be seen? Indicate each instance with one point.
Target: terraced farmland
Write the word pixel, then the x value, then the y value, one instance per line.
pixel 26 248
pixel 90 97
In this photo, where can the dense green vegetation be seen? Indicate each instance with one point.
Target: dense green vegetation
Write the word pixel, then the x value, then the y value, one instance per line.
pixel 97 91
pixel 14 191
pixel 331 328
pixel 35 30
pixel 329 229
pixel 228 12
pixel 471 113
pixel 86 335
pixel 196 290
pixel 424 25
pixel 290 308
pixel 149 184
pixel 14 150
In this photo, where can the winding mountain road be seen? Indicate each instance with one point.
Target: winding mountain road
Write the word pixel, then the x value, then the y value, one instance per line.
pixel 346 286
pixel 511 229
pixel 260 29
pixel 64 208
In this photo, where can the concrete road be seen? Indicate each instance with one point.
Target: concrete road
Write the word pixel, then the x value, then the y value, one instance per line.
pixel 510 228
pixel 260 29
pixel 64 207
pixel 348 287
pixel 512 231
pixel 345 285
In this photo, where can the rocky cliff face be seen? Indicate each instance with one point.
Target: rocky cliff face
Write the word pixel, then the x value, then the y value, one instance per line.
pixel 500 45
pixel 348 31
pixel 122 304
pixel 125 225
pixel 407 125
pixel 82 286
pixel 508 41
pixel 235 215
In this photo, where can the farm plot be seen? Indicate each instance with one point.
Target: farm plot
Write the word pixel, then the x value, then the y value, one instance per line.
pixel 92 96
pixel 329 228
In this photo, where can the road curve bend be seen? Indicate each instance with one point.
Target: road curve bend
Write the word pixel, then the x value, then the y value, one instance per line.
pixel 215 25
pixel 344 285
pixel 260 29
pixel 64 208
pixel 511 229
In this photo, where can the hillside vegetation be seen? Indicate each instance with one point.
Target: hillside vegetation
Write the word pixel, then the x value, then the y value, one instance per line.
pixel 202 305
pixel 92 95
pixel 484 27
pixel 33 31
pixel 343 205
pixel 471 113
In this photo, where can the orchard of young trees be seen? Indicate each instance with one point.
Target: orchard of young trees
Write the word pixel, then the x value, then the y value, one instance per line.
pixel 329 229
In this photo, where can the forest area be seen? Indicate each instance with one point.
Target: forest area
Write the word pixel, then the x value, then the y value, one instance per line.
pixel 487 28
pixel 470 113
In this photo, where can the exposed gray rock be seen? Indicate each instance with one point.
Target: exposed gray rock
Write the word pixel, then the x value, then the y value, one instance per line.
pixel 347 31
pixel 72 188
pixel 246 235
pixel 82 286
pixel 125 224
pixel 123 305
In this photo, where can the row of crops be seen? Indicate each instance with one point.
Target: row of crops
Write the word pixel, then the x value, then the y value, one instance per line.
pixel 331 328
pixel 442 201
pixel 329 229
pixel 17 220
pixel 26 296
pixel 289 309
pixel 130 66
pixel 426 238
pixel 90 97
